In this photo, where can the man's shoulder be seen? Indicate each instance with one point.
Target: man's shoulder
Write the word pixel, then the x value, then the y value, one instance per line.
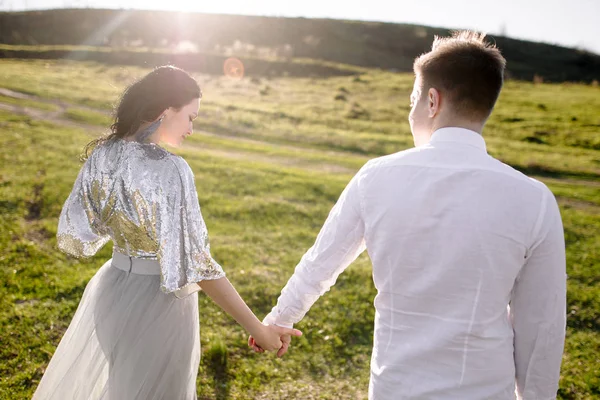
pixel 516 174
pixel 399 158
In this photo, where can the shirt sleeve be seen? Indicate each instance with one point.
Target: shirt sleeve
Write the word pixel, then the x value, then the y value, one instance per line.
pixel 339 242
pixel 538 308
pixel 76 234
pixel 184 250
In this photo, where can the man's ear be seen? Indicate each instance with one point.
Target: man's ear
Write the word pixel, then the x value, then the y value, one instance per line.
pixel 433 102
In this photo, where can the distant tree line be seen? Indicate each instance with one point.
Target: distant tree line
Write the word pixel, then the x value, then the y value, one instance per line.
pixel 368 44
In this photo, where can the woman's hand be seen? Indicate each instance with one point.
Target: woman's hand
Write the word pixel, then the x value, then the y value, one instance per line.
pixel 267 337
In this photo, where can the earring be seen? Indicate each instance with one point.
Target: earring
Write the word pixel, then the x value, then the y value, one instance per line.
pixel 143 134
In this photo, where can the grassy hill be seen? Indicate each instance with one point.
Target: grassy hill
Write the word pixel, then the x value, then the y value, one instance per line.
pixel 366 44
pixel 270 157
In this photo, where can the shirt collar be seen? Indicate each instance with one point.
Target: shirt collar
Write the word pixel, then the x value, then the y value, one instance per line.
pixel 458 135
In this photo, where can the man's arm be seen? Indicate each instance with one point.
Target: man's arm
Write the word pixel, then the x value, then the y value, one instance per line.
pixel 538 308
pixel 340 241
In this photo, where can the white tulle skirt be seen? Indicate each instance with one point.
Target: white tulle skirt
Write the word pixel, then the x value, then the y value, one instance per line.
pixel 128 340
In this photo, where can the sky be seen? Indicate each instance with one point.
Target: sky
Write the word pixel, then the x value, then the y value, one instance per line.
pixel 573 23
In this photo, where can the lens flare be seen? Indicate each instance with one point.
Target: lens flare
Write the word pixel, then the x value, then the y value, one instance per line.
pixel 233 68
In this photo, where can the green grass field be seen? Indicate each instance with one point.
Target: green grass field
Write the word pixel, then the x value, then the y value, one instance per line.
pixel 270 157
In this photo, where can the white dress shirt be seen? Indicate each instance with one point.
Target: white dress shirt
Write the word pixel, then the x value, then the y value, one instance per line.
pixel 455 237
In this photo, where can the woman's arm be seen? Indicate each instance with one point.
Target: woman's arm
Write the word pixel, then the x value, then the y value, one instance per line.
pixel 222 292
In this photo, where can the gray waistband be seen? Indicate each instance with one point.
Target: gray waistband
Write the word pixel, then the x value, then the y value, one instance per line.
pixel 143 266
pixel 139 266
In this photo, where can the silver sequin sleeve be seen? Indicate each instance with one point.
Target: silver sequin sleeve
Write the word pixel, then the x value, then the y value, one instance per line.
pixel 184 249
pixel 77 235
pixel 144 199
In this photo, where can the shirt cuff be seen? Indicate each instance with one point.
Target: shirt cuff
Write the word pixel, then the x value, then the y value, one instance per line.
pixel 270 319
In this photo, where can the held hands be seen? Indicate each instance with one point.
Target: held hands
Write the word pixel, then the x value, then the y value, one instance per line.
pixel 272 338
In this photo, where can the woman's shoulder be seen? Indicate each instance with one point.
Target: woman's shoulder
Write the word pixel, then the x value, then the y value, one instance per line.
pixel 147 159
pixel 180 167
pixel 150 154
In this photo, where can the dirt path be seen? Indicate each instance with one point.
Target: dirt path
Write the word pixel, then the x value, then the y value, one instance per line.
pixel 61 104
pixel 58 117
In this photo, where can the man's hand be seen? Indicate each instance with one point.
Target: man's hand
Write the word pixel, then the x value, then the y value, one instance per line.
pixel 285 338
pixel 285 343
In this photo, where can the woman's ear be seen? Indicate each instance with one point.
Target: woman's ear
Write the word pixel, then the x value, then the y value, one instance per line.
pixel 164 114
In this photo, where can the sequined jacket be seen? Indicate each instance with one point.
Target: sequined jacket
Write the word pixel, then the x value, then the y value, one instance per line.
pixel 143 198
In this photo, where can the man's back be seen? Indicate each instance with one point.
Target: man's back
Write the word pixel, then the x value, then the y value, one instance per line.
pixel 448 229
pixel 455 237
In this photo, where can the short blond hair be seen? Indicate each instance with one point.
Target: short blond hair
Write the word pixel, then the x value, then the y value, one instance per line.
pixel 467 70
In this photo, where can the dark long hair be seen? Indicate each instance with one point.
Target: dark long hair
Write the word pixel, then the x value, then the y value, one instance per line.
pixel 145 99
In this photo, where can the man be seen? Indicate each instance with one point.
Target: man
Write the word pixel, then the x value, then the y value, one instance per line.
pixel 455 238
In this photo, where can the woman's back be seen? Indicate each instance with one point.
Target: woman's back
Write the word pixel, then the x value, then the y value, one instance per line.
pixel 123 188
pixel 143 198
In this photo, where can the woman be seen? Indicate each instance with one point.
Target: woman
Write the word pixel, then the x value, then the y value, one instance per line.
pixel 135 334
